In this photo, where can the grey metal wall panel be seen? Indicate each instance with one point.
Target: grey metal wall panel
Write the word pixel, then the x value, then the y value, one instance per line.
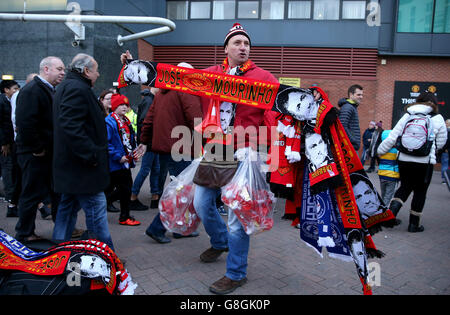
pixel 417 43
pixel 275 33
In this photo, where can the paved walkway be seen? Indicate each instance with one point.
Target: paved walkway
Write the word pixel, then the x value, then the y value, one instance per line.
pixel 279 262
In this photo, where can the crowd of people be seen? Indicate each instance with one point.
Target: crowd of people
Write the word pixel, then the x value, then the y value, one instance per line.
pixel 411 168
pixel 65 149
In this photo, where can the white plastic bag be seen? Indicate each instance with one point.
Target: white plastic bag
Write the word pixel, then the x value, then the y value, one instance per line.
pixel 176 206
pixel 248 194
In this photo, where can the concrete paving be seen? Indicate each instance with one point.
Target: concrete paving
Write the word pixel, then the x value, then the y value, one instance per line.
pixel 279 262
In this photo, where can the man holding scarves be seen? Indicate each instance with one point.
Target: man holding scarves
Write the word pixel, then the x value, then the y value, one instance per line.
pixel 235 241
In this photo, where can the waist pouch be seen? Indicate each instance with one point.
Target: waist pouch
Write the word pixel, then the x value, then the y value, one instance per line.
pixel 215 174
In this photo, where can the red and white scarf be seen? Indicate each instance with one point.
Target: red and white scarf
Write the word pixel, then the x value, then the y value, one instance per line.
pixel 124 125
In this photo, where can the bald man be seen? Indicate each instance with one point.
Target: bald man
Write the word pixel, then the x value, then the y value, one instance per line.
pixel 34 141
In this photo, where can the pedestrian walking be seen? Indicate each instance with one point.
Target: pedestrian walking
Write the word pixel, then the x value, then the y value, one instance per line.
pixel 416 167
pixel 81 141
pixel 367 137
pixel 34 141
pixel 121 146
pixel 170 109
pixel 149 163
pixel 388 172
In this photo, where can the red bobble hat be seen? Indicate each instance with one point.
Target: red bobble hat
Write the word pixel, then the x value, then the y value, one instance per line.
pixel 237 29
pixel 117 100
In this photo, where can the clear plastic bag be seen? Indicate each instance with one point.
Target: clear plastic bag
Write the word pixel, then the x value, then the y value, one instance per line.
pixel 176 208
pixel 248 194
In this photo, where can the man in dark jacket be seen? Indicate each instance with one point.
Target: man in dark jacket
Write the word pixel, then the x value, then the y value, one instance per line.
pixel 374 143
pixel 35 144
pixel 367 137
pixel 81 171
pixel 8 158
pixel 170 109
pixel 348 114
pixel 150 160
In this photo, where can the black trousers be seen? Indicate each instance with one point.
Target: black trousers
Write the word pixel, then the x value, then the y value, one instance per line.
pixel 36 187
pixel 11 176
pixel 414 178
pixel 121 183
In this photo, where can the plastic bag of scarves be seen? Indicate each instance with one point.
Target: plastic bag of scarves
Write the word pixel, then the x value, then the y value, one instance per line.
pixel 176 208
pixel 248 194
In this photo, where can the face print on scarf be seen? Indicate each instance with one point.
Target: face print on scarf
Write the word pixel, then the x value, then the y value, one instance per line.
pixel 91 266
pixel 358 251
pixel 367 198
pixel 316 150
pixel 298 103
pixel 139 72
pixel 126 140
pixel 226 115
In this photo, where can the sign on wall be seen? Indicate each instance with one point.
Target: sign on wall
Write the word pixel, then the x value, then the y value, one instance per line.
pixel 289 81
pixel 406 92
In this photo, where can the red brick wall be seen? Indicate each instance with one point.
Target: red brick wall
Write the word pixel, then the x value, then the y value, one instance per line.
pixel 145 50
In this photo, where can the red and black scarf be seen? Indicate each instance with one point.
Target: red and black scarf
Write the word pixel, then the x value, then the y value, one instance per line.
pixel 56 261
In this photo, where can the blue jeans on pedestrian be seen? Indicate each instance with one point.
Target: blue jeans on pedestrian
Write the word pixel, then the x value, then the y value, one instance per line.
pixel 364 155
pixel 149 164
pixel 94 207
pixel 235 239
pixel 174 168
pixel 444 164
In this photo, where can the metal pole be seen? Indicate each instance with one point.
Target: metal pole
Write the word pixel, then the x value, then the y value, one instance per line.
pixel 168 25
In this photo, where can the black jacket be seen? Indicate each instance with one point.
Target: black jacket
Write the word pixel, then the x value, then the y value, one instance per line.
pixel 80 163
pixel 6 127
pixel 143 108
pixel 366 137
pixel 34 121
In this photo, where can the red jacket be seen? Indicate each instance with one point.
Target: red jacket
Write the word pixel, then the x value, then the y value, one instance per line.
pixel 246 115
pixel 168 110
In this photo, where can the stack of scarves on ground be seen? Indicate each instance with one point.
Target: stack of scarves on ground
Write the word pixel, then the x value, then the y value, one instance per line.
pixel 302 116
pixel 74 267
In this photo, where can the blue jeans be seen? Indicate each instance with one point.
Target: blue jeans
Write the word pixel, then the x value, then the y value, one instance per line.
pixel 235 238
pixel 94 206
pixel 444 164
pixel 149 164
pixel 364 155
pixel 166 165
